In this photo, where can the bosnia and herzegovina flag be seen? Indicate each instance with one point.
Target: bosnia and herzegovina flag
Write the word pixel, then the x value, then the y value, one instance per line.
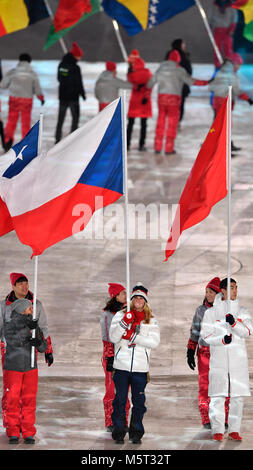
pixel 138 15
pixel 18 14
pixel 79 175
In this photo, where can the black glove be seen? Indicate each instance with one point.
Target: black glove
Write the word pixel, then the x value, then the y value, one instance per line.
pixel 84 97
pixel 109 363
pixel 49 358
pixel 211 80
pixel 35 341
pixel 144 100
pixel 250 101
pixel 227 339
pixel 230 319
pixel 190 358
pixel 31 323
pixel 139 87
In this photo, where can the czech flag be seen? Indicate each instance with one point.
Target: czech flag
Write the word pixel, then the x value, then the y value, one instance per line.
pixel 43 198
pixel 12 163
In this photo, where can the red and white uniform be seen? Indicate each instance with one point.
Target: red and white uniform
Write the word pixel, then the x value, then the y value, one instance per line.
pixel 223 23
pixel 140 75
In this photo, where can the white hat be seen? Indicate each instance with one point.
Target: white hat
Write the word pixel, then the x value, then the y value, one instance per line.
pixel 140 290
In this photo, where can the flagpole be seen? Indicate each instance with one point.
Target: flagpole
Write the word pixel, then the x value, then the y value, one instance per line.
pixel 121 44
pixel 229 127
pixel 61 41
pixel 36 257
pixel 124 151
pixel 209 31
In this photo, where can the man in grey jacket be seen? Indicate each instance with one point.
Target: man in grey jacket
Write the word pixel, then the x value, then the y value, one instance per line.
pixel 108 85
pixel 23 83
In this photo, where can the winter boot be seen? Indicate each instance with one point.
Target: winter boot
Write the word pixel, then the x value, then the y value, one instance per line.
pixel 13 440
pixel 29 440
pixel 234 148
pixel 2 134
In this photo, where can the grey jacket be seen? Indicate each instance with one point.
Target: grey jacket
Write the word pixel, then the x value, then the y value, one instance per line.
pixel 107 87
pixel 18 348
pixel 23 82
pixel 217 19
pixel 170 78
pixel 196 326
pixel 105 323
pixel 224 78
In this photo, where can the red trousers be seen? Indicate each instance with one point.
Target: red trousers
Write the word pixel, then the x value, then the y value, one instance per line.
pixel 18 107
pixel 101 106
pixel 110 394
pixel 21 392
pixel 203 354
pixel 167 121
pixel 224 41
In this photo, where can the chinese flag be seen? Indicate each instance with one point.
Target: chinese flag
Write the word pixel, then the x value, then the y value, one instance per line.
pixel 206 184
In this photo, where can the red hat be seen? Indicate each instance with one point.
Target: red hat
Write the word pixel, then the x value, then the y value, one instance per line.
pixel 133 55
pixel 111 66
pixel 115 289
pixel 174 56
pixel 214 284
pixel 14 277
pixel 76 51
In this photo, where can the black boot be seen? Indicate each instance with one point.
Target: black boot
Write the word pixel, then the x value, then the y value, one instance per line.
pixel 2 134
pixel 234 148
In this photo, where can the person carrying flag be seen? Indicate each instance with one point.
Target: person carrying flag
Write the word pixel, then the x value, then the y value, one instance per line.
pixel 134 333
pixel 20 290
pixel 23 83
pixel 225 327
pixel 117 301
pixel 107 85
pixel 203 352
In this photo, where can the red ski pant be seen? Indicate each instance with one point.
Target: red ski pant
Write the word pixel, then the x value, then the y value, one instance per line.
pixel 204 400
pixel 109 396
pixel 167 121
pixel 18 107
pixel 224 41
pixel 21 392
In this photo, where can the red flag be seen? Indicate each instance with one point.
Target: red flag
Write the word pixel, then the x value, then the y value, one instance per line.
pixel 206 184
pixel 68 13
pixel 6 225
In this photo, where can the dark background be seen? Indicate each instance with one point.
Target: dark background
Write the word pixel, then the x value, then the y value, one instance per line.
pixel 97 38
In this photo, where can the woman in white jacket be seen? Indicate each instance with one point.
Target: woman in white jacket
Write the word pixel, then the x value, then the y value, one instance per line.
pixel 225 328
pixel 134 334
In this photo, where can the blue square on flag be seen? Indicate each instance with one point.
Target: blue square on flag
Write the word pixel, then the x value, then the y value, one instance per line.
pixel 25 151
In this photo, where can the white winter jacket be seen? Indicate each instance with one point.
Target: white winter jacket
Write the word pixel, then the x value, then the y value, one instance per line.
pixel 224 78
pixel 135 358
pixel 23 81
pixel 228 368
pixel 170 78
pixel 107 87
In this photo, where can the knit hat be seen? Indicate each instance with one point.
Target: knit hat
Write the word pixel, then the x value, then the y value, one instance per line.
pixel 214 284
pixel 140 290
pixel 20 305
pixel 111 66
pixel 14 277
pixel 133 55
pixel 76 51
pixel 174 56
pixel 114 289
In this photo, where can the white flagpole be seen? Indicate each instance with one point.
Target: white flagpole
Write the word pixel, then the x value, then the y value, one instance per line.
pixel 209 31
pixel 121 44
pixel 124 151
pixel 61 41
pixel 36 257
pixel 229 127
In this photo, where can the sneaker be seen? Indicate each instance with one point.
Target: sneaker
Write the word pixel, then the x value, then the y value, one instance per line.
pixel 119 440
pixel 29 440
pixel 135 440
pixel 13 440
pixel 218 437
pixel 235 436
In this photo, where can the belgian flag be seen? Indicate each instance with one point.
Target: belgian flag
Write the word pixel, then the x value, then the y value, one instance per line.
pixel 18 14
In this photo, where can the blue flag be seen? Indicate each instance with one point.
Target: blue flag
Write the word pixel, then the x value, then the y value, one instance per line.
pixel 25 151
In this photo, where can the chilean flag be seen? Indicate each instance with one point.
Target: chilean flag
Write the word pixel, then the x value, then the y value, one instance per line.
pixel 13 163
pixel 43 197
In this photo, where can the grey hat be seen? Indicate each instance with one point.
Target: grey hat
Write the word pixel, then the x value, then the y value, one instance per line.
pixel 20 305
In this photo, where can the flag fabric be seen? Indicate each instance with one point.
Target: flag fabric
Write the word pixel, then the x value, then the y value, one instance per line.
pixel 247 8
pixel 18 14
pixel 68 15
pixel 207 182
pixel 85 165
pixel 13 163
pixel 138 15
